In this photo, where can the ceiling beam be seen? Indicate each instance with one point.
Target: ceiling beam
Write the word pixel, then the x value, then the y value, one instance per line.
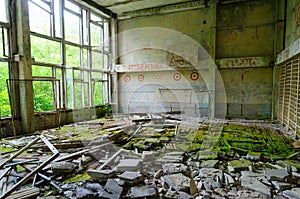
pixel 101 8
pixel 163 9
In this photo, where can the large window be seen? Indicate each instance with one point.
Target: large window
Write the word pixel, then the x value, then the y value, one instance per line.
pixel 4 58
pixel 70 47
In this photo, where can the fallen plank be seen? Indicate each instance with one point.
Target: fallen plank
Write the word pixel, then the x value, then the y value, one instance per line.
pixel 25 193
pixel 19 152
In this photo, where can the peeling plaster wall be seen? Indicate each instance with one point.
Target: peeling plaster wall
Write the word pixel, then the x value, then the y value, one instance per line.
pixel 292 22
pixel 245 35
pixel 177 85
pixel 244 53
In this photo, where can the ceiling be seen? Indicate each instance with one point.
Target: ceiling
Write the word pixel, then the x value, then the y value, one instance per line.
pixel 126 7
pixel 123 9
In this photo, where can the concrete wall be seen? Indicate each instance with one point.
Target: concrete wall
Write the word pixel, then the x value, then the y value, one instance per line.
pixel 245 35
pixel 292 22
pixel 160 71
pixel 244 52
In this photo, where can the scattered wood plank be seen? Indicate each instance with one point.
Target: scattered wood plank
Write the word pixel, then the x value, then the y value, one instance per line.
pixel 25 193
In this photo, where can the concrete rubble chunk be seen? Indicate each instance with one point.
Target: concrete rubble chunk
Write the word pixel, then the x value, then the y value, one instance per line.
pixel 94 186
pixel 178 182
pixel 208 172
pixel 63 167
pixel 281 186
pixel 112 187
pixel 209 164
pixel 173 168
pixel 239 165
pixel 172 157
pixel 294 193
pixel 277 175
pixel 183 195
pixel 143 192
pixel 254 156
pixel 131 177
pixel 129 165
pixel 83 193
pixel 101 174
pixel 228 179
pixel 253 184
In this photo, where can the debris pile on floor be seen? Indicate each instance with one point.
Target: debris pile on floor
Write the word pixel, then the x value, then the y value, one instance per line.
pixel 152 156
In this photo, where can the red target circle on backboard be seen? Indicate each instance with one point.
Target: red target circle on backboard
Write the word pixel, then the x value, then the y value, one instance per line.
pixel 127 78
pixel 194 76
pixel 141 77
pixel 177 76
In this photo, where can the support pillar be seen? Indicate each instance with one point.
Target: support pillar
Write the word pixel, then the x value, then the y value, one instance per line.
pixel 21 67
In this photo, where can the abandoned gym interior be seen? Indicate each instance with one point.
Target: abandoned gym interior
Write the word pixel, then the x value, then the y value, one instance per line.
pixel 150 99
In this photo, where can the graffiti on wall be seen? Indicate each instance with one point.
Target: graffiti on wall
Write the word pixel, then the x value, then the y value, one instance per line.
pixel 244 62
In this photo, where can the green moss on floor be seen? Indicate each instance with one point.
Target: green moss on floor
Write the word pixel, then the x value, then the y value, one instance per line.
pixel 243 139
pixel 79 177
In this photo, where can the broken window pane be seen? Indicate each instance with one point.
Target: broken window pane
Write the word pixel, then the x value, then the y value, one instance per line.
pixel 97 60
pixel 3 14
pixel 57 17
pixel 41 71
pixel 97 93
pixel 73 56
pixel 43 96
pixel 78 94
pixel 39 17
pixel 96 35
pixel 44 50
pixel 72 28
pixel 86 95
pixel 4 100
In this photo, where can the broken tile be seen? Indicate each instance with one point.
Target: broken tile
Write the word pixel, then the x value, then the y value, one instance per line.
pixel 143 192
pixel 112 187
pixel 62 167
pixel 131 177
pixel 209 164
pixel 129 165
pixel 254 156
pixel 83 193
pixel 281 186
pixel 239 165
pixel 253 184
pixel 277 175
pixel 294 193
pixel 173 168
pixel 178 182
pixel 101 174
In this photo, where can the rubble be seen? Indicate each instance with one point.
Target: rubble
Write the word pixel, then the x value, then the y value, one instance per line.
pixel 142 158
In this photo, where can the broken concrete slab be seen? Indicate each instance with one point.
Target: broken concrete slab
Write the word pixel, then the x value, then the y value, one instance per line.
pixel 131 177
pixel 143 192
pixel 294 193
pixel 253 184
pixel 82 192
pixel 281 186
pixel 101 174
pixel 277 175
pixel 239 165
pixel 112 187
pixel 173 168
pixel 178 182
pixel 209 164
pixel 62 167
pixel 94 186
pixel 253 156
pixel 129 165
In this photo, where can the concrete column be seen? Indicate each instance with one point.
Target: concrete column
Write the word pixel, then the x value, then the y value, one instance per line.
pixel 212 53
pixel 22 60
